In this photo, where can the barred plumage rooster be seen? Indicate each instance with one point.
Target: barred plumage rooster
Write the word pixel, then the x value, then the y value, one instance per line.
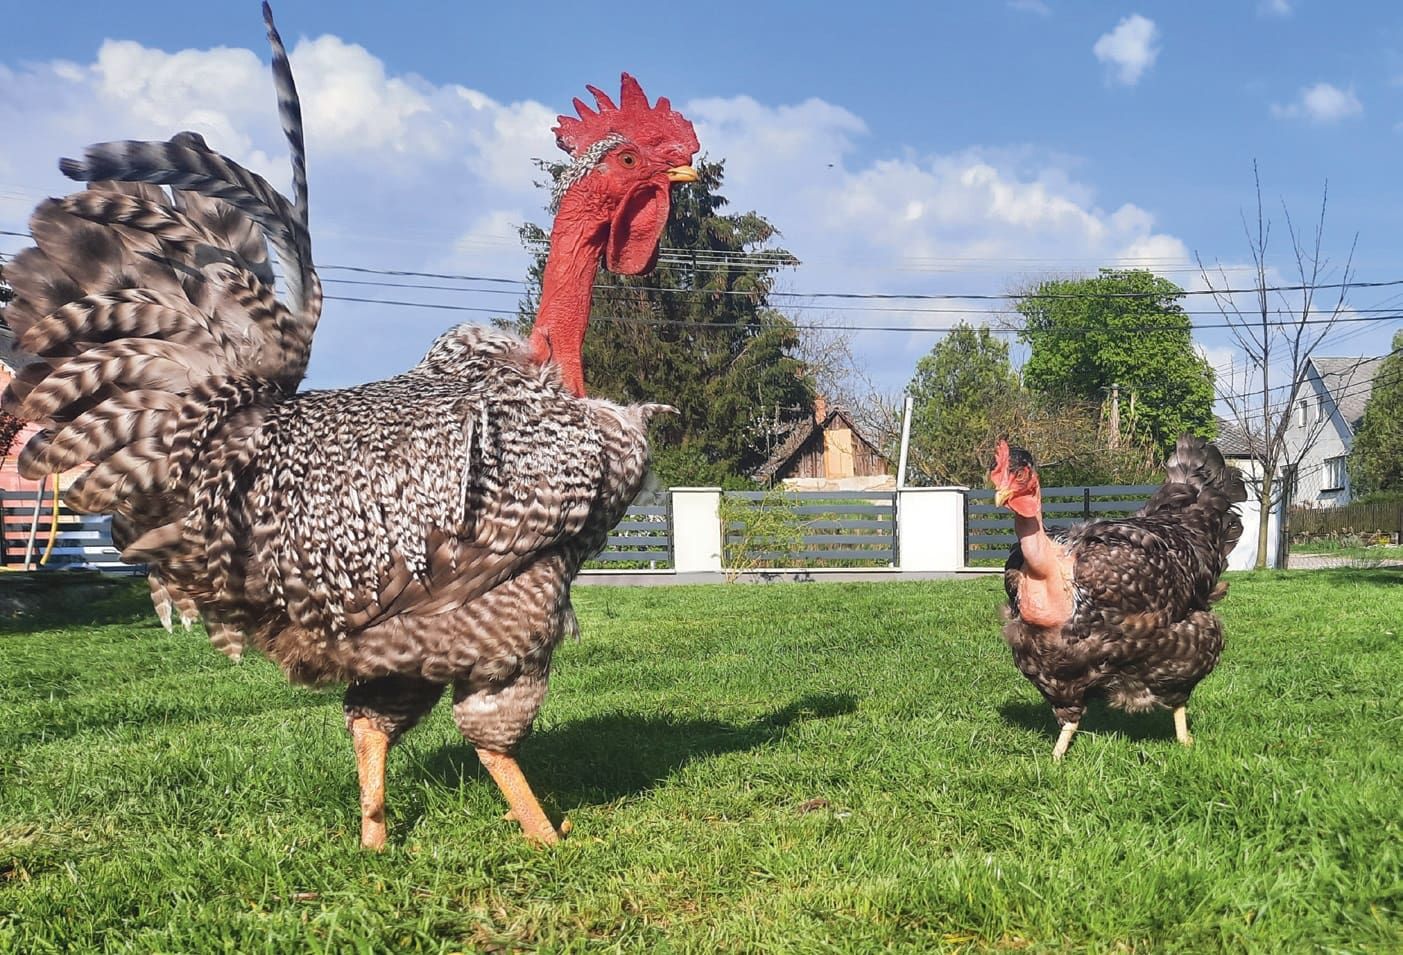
pixel 402 536
pixel 1120 608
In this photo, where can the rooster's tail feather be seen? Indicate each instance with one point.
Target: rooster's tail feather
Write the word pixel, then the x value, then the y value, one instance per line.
pixel 148 307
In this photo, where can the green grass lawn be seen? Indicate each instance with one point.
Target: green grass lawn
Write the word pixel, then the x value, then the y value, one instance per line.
pixel 787 768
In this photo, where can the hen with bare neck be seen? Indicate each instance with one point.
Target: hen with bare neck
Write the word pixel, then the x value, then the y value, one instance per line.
pixel 1120 608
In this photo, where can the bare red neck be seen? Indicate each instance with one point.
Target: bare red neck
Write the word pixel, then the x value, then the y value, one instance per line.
pixel 576 242
pixel 1044 594
pixel 1039 552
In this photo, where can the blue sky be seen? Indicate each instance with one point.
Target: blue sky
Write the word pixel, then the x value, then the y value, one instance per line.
pixel 915 148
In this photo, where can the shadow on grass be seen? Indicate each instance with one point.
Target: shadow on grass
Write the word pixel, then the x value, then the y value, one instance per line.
pixel 1371 576
pixel 45 600
pixel 1100 718
pixel 603 758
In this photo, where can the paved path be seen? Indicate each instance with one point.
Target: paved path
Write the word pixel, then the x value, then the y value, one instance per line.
pixel 1326 561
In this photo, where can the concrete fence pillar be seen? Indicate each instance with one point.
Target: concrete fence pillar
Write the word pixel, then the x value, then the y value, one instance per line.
pixel 1244 555
pixel 930 527
pixel 696 530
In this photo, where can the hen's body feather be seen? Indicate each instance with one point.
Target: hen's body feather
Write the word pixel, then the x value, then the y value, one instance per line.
pixel 402 535
pixel 1140 632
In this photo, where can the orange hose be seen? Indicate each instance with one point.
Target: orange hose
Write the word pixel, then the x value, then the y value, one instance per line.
pixel 53 525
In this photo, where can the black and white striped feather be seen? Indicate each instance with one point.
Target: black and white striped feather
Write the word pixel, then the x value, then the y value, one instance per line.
pixel 422 530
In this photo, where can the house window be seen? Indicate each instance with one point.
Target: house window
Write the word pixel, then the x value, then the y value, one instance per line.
pixel 1334 474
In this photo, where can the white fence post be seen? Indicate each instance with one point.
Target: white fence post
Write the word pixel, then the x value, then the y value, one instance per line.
pixel 1244 555
pixel 930 524
pixel 696 530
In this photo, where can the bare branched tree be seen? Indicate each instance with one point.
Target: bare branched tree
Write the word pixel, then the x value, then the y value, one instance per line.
pixel 1279 331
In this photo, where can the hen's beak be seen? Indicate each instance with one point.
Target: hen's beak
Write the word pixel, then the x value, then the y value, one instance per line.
pixel 1001 496
pixel 682 174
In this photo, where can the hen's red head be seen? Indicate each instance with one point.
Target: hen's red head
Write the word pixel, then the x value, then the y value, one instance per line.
pixel 613 198
pixel 624 160
pixel 1015 481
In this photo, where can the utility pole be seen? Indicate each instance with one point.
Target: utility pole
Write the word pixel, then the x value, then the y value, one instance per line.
pixel 1115 416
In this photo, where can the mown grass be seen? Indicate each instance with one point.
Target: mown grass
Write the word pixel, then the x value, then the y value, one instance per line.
pixel 786 768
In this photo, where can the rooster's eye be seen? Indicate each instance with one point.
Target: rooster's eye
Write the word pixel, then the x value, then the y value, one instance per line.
pixel 629 160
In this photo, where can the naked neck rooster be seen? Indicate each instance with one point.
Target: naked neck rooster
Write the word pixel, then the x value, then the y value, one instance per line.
pixel 401 536
pixel 1120 608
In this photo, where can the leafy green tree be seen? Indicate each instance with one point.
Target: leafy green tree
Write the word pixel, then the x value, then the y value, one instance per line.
pixel 966 395
pixel 698 333
pixel 1120 331
pixel 960 394
pixel 1376 459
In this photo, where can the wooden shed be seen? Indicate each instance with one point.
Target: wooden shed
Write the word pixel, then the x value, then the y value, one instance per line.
pixel 827 453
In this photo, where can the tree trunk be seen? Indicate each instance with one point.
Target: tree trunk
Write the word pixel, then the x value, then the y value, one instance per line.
pixel 1264 516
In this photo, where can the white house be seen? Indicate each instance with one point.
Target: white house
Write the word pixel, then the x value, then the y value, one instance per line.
pixel 1328 409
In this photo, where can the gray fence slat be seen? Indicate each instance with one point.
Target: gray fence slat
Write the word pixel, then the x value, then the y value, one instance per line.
pixel 842 509
pixel 1128 507
pixel 992 539
pixel 1065 507
pixel 873 524
pixel 626 540
pixel 806 539
pixel 1100 490
pixel 885 524
pixel 883 556
pixel 657 509
pixel 651 556
pixel 811 495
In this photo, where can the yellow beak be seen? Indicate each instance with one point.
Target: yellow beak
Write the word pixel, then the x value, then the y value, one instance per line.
pixel 682 174
pixel 1001 496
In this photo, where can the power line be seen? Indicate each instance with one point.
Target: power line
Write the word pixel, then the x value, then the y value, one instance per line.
pixel 882 296
pixel 639 320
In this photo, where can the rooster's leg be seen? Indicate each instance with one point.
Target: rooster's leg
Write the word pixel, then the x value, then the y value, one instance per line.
pixel 1064 740
pixel 1181 725
pixel 371 747
pixel 378 713
pixel 525 808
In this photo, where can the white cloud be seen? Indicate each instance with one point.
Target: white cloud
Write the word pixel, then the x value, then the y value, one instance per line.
pixel 1031 6
pixel 1130 49
pixel 1320 103
pixel 1275 8
pixel 406 174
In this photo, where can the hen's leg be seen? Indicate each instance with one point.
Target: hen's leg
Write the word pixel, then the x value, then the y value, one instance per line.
pixel 371 746
pixel 169 600
pixel 378 713
pixel 525 808
pixel 495 716
pixel 1181 725
pixel 1069 718
pixel 1064 739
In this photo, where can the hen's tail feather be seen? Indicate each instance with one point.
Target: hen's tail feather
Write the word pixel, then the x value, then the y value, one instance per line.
pixel 149 300
pixel 1197 477
pixel 193 169
pixel 289 112
pixel 94 435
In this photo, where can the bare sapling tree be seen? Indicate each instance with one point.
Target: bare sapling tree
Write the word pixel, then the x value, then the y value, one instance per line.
pixel 1279 328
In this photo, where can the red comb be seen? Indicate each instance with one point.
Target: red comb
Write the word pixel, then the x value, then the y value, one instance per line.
pixel 999 473
pixel 658 126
